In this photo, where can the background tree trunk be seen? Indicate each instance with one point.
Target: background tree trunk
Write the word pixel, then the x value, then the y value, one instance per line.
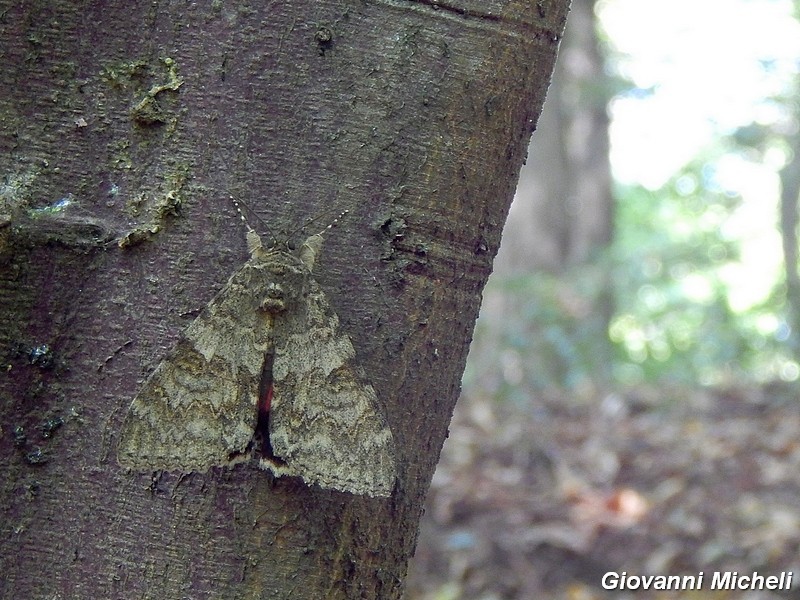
pixel 789 217
pixel 125 128
pixel 562 220
pixel 563 212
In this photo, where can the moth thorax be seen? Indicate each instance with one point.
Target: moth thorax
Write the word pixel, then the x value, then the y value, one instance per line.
pixel 274 299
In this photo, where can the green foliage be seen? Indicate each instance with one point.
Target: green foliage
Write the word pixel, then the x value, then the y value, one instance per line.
pixel 674 317
pixel 656 307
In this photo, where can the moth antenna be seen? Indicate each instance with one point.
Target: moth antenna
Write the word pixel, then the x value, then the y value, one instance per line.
pixel 334 223
pixel 247 223
pixel 331 225
pixel 313 244
pixel 241 214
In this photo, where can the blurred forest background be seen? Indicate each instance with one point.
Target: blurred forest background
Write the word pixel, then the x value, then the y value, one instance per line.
pixel 631 399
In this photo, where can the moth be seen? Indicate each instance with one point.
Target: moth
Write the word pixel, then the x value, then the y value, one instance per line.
pixel 265 371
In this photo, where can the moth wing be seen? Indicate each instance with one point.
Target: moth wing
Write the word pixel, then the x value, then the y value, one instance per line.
pixel 198 408
pixel 324 420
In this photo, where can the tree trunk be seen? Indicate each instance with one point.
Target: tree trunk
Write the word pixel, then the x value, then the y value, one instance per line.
pixel 790 193
pixel 126 127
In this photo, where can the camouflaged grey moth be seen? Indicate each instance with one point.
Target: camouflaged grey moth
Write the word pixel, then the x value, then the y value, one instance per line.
pixel 270 334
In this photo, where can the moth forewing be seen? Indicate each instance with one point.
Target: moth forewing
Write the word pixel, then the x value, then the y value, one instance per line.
pixel 198 408
pixel 325 424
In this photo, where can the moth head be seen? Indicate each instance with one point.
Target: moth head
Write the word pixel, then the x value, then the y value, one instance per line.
pixel 288 281
pixel 274 300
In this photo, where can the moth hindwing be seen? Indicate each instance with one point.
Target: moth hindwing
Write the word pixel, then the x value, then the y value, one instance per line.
pixel 268 341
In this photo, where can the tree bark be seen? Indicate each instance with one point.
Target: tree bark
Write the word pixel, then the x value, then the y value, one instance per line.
pixel 125 129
